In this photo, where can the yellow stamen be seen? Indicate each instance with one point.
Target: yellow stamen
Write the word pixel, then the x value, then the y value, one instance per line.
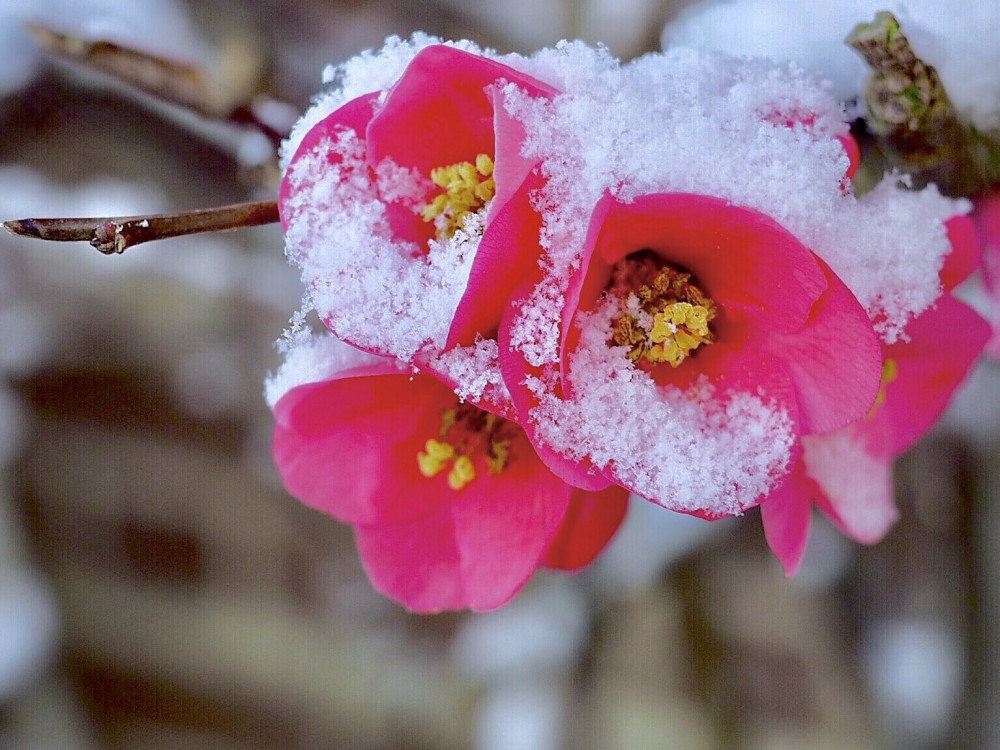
pixel 666 318
pixel 678 330
pixel 890 371
pixel 500 452
pixel 467 188
pixel 434 457
pixel 461 473
pixel 468 435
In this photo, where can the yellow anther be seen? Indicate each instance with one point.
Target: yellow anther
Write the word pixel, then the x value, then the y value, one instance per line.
pixel 679 329
pixel 673 314
pixel 434 457
pixel 890 371
pixel 467 188
pixel 484 164
pixel 469 436
pixel 461 473
pixel 500 453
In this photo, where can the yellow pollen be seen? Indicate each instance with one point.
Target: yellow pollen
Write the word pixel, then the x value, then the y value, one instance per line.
pixel 678 330
pixel 434 457
pixel 499 453
pixel 467 187
pixel 468 434
pixel 461 473
pixel 666 318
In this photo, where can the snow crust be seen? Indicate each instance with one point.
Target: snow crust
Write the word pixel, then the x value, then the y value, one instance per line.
pixel 312 357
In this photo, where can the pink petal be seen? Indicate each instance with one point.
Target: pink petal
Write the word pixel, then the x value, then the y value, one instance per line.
pixel 590 522
pixel 987 218
pixel 440 112
pixel 856 485
pixel 945 342
pixel 348 447
pixel 475 553
pixel 506 258
pixel 964 257
pixel 581 474
pixel 786 517
pixel 834 360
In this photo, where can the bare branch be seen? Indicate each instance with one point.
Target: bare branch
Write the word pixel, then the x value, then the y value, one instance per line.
pixel 170 80
pixel 114 234
pixel 233 97
pixel 912 119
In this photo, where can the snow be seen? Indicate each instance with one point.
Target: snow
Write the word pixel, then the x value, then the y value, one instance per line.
pixel 312 357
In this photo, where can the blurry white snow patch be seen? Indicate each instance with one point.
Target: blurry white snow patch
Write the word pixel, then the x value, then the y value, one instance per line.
pixel 28 337
pixel 531 24
pixel 13 421
pixel 915 669
pixel 28 629
pixel 649 540
pixel 160 27
pixel 523 716
pixel 539 633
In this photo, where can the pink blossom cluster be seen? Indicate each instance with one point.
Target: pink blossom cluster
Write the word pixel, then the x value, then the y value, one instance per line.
pixel 550 282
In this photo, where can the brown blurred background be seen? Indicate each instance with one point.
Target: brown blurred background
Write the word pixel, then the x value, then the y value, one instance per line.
pixel 159 589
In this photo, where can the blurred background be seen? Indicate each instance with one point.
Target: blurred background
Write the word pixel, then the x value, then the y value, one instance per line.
pixel 159 589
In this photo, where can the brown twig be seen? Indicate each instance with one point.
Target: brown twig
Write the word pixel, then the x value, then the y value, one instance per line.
pixel 171 80
pixel 230 95
pixel 912 119
pixel 114 234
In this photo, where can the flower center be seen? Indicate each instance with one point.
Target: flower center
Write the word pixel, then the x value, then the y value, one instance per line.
pixel 467 433
pixel 466 188
pixel 663 316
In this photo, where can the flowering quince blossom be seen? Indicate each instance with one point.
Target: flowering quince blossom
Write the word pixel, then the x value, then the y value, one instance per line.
pixel 405 178
pixel 573 277
pixel 847 473
pixel 450 505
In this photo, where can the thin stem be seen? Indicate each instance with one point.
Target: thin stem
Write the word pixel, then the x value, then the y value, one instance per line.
pixel 114 234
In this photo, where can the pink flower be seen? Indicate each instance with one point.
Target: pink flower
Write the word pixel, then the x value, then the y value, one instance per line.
pixel 847 473
pixel 450 505
pixel 705 298
pixel 414 162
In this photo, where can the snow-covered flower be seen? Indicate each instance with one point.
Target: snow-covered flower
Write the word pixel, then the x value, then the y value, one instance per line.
pixel 450 505
pixel 688 316
pixel 387 193
pixel 651 276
